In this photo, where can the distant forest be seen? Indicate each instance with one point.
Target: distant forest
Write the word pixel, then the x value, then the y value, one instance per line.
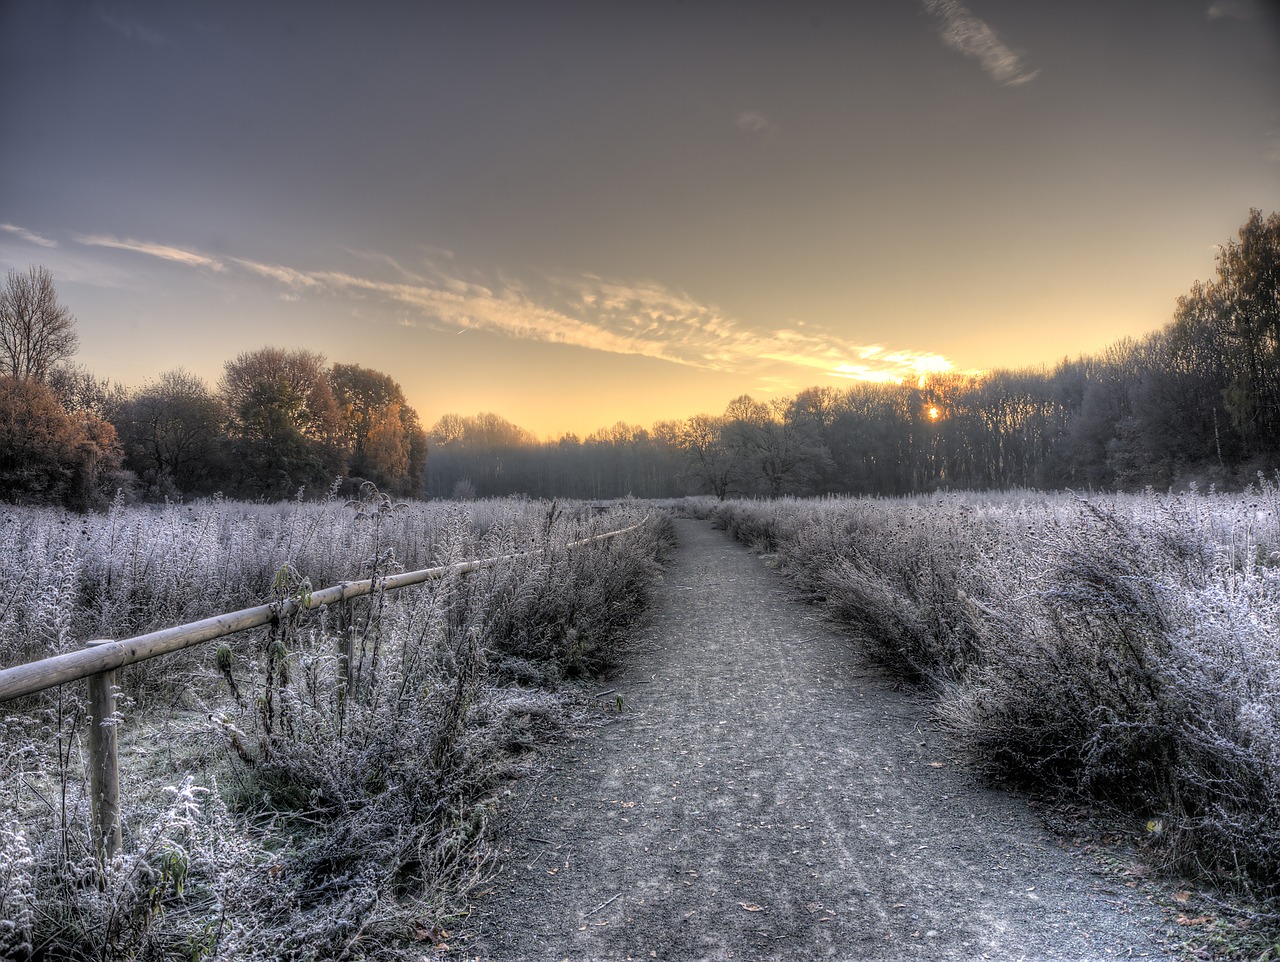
pixel 1195 402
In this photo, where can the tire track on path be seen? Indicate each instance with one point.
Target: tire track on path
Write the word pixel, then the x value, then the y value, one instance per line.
pixel 766 794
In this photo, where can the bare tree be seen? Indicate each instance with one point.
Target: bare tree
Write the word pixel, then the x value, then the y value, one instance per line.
pixel 711 462
pixel 36 332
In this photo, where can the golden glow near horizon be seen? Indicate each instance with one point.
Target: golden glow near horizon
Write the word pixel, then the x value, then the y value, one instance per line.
pixel 837 193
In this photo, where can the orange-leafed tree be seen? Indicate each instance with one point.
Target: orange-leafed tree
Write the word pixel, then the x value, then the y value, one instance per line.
pixel 49 457
pixel 384 439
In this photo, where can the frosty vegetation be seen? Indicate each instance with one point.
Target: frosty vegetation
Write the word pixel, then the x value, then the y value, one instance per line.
pixel 1123 647
pixel 283 799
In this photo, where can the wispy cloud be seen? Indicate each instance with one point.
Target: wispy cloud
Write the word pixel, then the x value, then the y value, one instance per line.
pixel 753 122
pixel 296 280
pixel 642 319
pixel 969 35
pixel 128 27
pixel 377 257
pixel 29 236
pixel 177 254
pixel 1234 9
pixel 673 326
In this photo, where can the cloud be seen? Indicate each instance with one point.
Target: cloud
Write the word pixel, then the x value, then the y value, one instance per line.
pixel 1234 9
pixel 129 27
pixel 964 32
pixel 295 280
pixel 28 236
pixel 500 309
pixel 377 257
pixel 754 122
pixel 678 328
pixel 190 258
pixel 642 319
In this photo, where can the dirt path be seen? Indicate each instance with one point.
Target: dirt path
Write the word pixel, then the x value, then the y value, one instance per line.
pixel 766 794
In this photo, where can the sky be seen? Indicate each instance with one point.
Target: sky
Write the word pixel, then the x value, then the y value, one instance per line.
pixel 572 214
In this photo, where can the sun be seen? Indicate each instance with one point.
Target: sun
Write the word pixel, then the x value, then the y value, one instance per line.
pixel 934 414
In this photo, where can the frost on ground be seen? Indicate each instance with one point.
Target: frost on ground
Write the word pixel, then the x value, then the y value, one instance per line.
pixel 762 788
pixel 1124 648
pixel 767 793
pixel 329 778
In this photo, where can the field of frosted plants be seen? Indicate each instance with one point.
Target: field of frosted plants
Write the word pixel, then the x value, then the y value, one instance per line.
pixel 280 799
pixel 1126 648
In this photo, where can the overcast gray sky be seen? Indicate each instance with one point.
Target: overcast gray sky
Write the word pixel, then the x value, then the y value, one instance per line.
pixel 575 213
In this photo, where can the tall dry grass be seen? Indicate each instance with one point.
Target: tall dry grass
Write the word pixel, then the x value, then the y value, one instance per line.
pixel 1126 648
pixel 324 786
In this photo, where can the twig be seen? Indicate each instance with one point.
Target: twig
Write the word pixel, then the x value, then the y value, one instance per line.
pixel 533 788
pixel 544 841
pixel 600 906
pixel 601 694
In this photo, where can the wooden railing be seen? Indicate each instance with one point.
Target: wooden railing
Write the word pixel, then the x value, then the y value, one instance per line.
pixel 99 660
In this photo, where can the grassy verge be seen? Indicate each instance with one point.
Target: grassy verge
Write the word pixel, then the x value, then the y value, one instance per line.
pixel 329 781
pixel 1123 649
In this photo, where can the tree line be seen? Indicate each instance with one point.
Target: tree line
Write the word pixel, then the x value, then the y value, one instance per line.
pixel 279 422
pixel 1197 401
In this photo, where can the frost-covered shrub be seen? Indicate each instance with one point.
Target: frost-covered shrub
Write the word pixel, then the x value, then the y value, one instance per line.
pixel 1226 686
pixel 391 746
pixel 188 872
pixel 66 579
pixel 17 893
pixel 1127 647
pixel 356 746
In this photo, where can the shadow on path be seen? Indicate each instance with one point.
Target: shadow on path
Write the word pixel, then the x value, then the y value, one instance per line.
pixel 766 794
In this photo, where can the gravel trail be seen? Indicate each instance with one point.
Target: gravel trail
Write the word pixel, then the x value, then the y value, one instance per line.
pixel 767 794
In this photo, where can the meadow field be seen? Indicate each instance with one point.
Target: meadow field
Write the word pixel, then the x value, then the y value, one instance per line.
pixel 1122 648
pixel 325 787
pixel 312 789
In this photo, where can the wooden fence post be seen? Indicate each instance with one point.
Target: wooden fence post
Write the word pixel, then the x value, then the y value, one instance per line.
pixel 104 762
pixel 346 649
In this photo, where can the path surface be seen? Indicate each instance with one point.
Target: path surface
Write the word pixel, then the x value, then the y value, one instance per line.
pixel 766 794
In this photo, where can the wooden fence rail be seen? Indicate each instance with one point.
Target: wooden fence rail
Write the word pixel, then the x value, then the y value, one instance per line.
pixel 99 659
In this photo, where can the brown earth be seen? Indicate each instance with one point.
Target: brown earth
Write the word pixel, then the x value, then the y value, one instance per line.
pixel 766 793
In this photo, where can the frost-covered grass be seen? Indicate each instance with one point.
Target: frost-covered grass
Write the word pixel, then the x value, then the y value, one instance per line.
pixel 1122 647
pixel 320 789
pixel 68 578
